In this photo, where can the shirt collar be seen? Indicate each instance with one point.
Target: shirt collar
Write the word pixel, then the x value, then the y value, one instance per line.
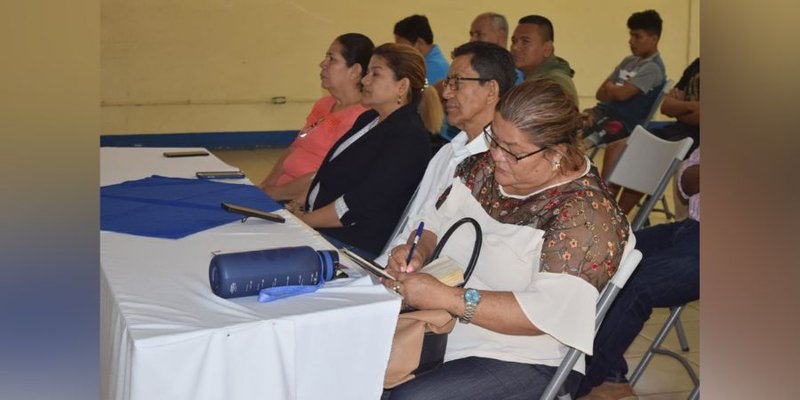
pixel 652 56
pixel 462 147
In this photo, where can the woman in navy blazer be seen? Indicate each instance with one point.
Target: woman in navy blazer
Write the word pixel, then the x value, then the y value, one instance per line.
pixel 370 174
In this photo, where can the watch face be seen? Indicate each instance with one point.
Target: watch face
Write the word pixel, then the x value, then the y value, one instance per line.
pixel 472 296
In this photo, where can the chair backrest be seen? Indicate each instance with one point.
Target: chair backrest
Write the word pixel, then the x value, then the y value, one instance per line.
pixel 617 282
pixel 646 160
pixel 646 166
pixel 657 104
pixel 626 267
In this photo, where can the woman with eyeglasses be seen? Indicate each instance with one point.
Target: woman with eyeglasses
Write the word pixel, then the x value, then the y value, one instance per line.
pixel 552 237
pixel 369 175
pixel 344 65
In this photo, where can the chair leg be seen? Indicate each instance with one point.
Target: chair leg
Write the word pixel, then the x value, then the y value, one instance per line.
pixel 670 216
pixel 681 335
pixel 682 360
pixel 595 149
pixel 555 388
pixel 695 394
pixel 655 348
pixel 656 345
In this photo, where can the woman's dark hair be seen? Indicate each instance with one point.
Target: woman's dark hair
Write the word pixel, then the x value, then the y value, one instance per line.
pixel 356 48
pixel 542 110
pixel 406 62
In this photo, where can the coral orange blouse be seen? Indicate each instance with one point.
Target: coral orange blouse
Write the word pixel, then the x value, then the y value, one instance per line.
pixel 322 129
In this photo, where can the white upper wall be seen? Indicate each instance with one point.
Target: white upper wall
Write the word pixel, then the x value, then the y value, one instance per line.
pixel 214 65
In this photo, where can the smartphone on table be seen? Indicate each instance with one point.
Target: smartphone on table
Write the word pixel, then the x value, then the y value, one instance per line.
pixel 252 212
pixel 220 174
pixel 188 153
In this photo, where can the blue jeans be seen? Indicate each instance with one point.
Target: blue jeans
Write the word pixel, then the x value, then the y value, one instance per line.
pixel 475 378
pixel 667 276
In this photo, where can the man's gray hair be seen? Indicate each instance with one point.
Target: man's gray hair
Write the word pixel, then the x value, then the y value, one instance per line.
pixel 498 20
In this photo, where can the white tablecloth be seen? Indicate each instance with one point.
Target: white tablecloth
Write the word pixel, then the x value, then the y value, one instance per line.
pixel 165 335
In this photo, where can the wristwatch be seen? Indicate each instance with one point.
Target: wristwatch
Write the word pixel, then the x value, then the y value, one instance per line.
pixel 471 299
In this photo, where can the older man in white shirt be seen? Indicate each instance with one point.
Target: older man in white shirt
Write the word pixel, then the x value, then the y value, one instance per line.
pixel 480 74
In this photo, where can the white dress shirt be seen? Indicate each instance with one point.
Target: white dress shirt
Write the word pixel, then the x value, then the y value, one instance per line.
pixel 438 177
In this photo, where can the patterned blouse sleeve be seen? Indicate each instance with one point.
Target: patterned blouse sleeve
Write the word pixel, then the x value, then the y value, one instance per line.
pixel 585 235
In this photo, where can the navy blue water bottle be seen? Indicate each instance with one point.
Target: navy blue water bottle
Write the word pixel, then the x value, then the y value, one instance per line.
pixel 246 273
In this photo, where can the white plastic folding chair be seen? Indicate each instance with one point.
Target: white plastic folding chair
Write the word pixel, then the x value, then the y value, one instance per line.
pixel 646 165
pixel 607 296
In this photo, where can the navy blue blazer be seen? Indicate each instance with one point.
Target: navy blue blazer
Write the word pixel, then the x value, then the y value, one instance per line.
pixel 377 175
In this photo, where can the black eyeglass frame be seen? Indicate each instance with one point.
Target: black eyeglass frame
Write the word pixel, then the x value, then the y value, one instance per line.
pixel 491 142
pixel 457 85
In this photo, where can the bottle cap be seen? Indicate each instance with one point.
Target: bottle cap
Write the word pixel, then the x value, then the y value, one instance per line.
pixel 328 261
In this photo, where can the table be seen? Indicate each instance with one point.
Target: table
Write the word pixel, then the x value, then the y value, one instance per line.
pixel 165 335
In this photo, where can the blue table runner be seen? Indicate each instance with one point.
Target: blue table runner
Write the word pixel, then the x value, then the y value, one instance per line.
pixel 173 208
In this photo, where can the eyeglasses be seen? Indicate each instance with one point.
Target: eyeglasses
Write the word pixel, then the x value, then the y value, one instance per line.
pixel 509 156
pixel 454 82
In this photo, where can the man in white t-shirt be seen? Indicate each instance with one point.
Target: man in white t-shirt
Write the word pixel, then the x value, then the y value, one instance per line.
pixel 480 74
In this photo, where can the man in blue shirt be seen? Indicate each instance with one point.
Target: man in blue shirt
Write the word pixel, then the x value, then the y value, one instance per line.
pixel 416 31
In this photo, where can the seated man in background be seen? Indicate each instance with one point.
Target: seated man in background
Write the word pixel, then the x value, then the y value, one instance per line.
pixel 681 103
pixel 416 32
pixel 481 73
pixel 488 27
pixel 492 27
pixel 628 94
pixel 533 51
pixel 667 276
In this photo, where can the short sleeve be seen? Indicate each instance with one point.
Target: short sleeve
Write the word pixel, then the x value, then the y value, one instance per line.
pixel 648 77
pixel 693 159
pixel 562 306
pixel 584 237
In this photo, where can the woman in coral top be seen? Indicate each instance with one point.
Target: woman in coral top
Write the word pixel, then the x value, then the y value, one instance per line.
pixel 344 65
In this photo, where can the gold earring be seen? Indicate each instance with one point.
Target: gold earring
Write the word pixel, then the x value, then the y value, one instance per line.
pixel 556 164
pixel 399 99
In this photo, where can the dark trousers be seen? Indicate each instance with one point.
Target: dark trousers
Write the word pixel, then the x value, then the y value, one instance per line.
pixel 668 275
pixel 477 378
